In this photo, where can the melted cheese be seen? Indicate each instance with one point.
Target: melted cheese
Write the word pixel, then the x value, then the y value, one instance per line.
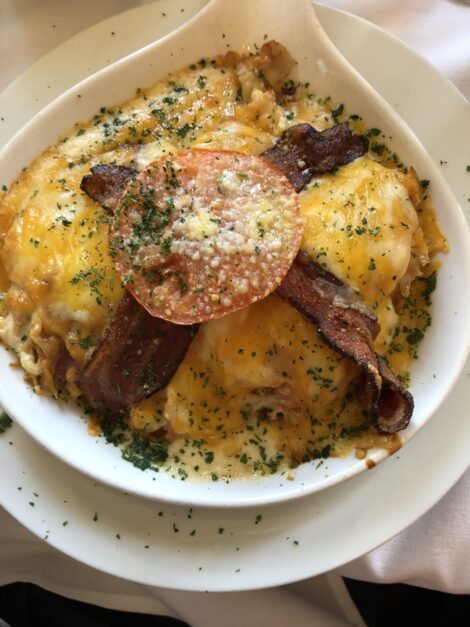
pixel 266 345
pixel 56 253
pixel 360 224
pixel 258 384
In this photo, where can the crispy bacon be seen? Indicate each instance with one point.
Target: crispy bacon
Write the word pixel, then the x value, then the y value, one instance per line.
pixel 137 357
pixel 302 151
pixel 349 328
pixel 106 183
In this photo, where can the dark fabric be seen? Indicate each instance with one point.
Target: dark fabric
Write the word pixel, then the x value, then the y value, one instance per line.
pixel 27 605
pixel 398 605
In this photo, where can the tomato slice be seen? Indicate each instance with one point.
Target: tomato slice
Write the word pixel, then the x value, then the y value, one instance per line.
pixel 204 233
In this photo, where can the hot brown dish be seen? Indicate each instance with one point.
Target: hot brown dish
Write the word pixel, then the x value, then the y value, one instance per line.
pixel 226 268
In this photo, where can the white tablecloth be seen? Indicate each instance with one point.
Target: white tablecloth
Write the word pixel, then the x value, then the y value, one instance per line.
pixel 434 552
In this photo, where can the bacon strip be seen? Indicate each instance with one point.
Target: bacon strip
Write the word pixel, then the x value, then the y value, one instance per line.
pixel 106 183
pixel 395 405
pixel 303 151
pixel 347 326
pixel 137 357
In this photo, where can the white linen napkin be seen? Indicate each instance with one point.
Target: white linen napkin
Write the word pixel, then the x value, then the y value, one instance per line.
pixel 433 553
pixel 322 601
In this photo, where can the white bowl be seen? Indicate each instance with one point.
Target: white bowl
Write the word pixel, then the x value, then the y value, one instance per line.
pixel 58 426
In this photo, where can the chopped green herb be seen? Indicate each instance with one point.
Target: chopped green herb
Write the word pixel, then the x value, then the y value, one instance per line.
pixel 377 148
pixel 5 422
pixel 337 112
pixel 165 246
pixel 430 285
pixel 209 458
pixel 85 343
pixel 415 336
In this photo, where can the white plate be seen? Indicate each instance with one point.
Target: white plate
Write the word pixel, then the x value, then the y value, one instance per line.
pixel 236 550
pixel 53 423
